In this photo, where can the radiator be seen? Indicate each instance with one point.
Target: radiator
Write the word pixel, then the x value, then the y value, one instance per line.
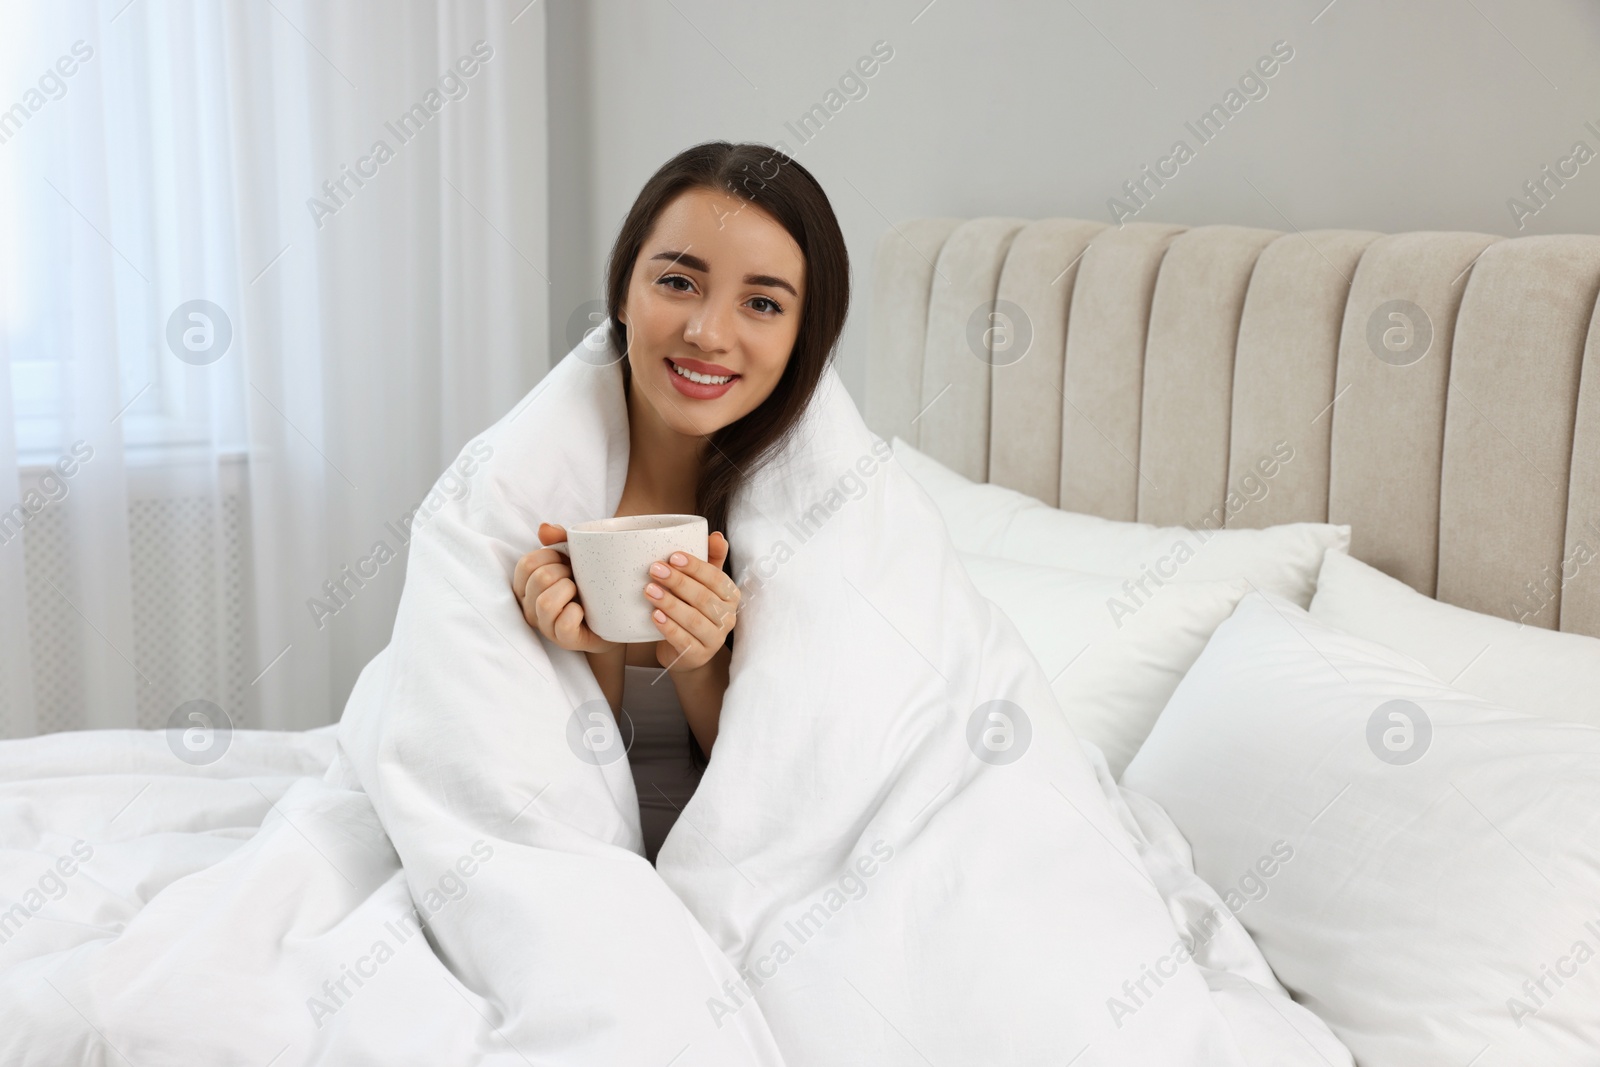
pixel 188 640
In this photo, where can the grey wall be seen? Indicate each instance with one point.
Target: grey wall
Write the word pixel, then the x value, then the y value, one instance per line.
pixel 1419 114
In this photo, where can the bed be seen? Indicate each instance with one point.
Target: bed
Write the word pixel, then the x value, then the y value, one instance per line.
pixel 1072 397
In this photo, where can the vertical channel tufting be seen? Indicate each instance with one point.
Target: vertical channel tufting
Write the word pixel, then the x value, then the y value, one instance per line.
pixel 902 282
pixel 1467 466
pixel 1388 422
pixel 1509 422
pixel 1283 378
pixel 1580 575
pixel 1188 371
pixel 1035 295
pixel 1104 374
pixel 955 380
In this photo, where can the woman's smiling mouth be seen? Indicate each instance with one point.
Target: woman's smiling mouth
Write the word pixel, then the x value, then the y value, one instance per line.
pixel 697 380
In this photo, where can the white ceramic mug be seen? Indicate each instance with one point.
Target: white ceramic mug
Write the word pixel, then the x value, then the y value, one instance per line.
pixel 611 563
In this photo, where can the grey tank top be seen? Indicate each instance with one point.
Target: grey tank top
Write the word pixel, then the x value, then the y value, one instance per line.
pixel 658 754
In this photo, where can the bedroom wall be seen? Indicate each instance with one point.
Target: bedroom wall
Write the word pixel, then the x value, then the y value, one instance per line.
pixel 1425 114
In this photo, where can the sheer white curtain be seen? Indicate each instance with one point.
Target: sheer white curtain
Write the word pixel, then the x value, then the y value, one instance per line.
pixel 264 268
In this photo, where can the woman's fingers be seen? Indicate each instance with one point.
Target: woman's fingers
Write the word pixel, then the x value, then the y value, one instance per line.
pixel 684 572
pixel 548 595
pixel 699 625
pixel 547 565
pixel 519 575
pixel 695 593
pixel 698 602
pixel 547 574
pixel 550 603
pixel 533 565
pixel 685 646
pixel 717 550
pixel 568 626
pixel 537 585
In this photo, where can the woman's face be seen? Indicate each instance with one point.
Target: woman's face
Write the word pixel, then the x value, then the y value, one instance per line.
pixel 717 289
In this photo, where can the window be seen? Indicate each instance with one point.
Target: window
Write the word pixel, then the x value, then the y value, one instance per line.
pixel 92 269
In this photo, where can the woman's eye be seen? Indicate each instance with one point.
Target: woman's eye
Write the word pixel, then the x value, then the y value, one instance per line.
pixel 764 304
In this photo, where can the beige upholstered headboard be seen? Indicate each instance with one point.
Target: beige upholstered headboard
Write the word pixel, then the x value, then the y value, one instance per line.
pixel 1440 392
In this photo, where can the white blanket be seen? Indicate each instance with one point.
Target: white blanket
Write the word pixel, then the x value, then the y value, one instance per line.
pixel 874 869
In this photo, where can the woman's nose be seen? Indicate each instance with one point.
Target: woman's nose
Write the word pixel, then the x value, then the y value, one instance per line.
pixel 709 327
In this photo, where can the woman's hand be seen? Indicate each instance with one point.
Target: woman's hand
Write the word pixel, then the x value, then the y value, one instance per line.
pixel 696 606
pixel 548 595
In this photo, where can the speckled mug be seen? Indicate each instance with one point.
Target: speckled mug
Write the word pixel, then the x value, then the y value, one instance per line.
pixel 611 563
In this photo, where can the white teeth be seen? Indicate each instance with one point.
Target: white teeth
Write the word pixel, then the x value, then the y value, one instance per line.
pixel 703 379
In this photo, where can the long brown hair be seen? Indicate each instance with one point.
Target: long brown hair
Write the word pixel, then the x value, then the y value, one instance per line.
pixel 771 180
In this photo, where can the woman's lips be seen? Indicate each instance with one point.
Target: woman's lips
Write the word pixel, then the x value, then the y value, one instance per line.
pixel 696 390
pixel 700 366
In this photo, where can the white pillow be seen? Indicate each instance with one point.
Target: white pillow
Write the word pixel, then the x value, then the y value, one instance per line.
pixel 1423 876
pixel 997 521
pixel 1112 673
pixel 1532 670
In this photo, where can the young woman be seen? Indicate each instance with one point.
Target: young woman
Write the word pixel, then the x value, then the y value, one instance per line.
pixel 728 286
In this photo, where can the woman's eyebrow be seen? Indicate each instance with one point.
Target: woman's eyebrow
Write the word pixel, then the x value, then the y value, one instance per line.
pixel 696 263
